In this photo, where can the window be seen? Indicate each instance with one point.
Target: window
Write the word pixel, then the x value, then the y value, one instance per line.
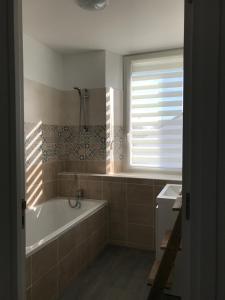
pixel 155 111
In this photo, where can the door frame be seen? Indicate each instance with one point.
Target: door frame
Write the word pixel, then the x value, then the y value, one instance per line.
pixel 221 165
pixel 202 169
pixel 12 253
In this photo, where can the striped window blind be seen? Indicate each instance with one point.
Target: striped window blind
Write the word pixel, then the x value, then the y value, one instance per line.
pixel 156 112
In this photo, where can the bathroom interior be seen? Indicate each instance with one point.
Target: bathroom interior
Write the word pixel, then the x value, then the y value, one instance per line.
pixel 103 107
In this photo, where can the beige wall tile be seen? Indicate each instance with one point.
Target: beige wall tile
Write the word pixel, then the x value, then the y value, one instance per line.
pixel 71 107
pixel 114 192
pixel 129 203
pixel 33 148
pixel 118 166
pixel 44 172
pixel 89 177
pixel 35 195
pixel 66 188
pixel 114 107
pixel 97 233
pixel 68 176
pixel 56 265
pixel 139 194
pixel 47 287
pixel 99 219
pixel 118 231
pixel 97 107
pixel 92 189
pixel 149 182
pixel 75 166
pixel 44 260
pixel 68 241
pixel 160 182
pixel 84 230
pixel 39 191
pixel 113 179
pixel 52 106
pixel 141 214
pixel 51 170
pixel 95 244
pixel 83 254
pixel 50 190
pixel 43 103
pixel 34 174
pixel 69 268
pixel 118 108
pixel 98 167
pixel 117 215
pixel 101 238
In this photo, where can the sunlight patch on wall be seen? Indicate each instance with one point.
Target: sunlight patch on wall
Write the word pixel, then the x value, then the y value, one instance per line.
pixel 110 131
pixel 34 164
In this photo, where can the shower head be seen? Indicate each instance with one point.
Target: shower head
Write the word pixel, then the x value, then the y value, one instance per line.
pixel 78 89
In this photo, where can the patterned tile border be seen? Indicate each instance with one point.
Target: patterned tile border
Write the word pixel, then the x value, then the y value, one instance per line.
pixel 64 143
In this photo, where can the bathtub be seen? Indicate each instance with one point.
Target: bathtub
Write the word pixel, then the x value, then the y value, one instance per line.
pixel 60 242
pixel 47 221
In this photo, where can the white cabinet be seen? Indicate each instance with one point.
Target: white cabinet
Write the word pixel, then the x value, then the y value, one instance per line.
pixel 165 219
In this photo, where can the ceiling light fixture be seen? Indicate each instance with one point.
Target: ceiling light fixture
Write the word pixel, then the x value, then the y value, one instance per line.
pixel 93 4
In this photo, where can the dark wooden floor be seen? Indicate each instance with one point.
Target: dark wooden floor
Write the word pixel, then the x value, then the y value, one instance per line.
pixel 119 273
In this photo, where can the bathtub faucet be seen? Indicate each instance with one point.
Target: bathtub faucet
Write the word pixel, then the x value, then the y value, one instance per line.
pixel 78 197
pixel 80 194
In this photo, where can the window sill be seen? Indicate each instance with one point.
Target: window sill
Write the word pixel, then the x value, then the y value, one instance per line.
pixel 140 175
pixel 154 176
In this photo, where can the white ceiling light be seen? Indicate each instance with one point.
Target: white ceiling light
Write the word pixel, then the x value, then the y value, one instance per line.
pixel 93 4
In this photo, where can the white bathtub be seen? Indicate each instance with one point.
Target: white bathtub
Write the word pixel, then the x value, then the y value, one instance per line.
pixel 46 222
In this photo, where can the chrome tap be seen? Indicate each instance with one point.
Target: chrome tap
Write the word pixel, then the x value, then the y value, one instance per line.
pixel 78 197
pixel 80 194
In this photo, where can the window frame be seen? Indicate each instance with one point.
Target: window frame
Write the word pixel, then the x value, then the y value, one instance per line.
pixel 127 88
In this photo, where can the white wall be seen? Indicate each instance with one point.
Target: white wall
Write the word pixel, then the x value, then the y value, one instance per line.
pixel 42 64
pixel 114 71
pixel 85 70
pixel 93 69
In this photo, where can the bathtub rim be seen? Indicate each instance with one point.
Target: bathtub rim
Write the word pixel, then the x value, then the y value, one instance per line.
pixel 30 250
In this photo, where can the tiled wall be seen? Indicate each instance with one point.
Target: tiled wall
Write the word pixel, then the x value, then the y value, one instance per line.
pixel 54 142
pixel 51 269
pixel 68 143
pixel 131 205
pixel 51 149
pixel 41 166
pixel 57 107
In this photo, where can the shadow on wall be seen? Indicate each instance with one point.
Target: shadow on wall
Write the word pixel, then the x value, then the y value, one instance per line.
pixel 34 164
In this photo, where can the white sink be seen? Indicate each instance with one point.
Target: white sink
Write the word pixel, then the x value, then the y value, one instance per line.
pixel 165 216
pixel 165 219
pixel 170 191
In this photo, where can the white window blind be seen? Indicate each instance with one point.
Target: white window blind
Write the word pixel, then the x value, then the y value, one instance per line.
pixel 156 112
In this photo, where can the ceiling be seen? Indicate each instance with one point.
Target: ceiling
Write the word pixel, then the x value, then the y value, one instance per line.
pixel 125 26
